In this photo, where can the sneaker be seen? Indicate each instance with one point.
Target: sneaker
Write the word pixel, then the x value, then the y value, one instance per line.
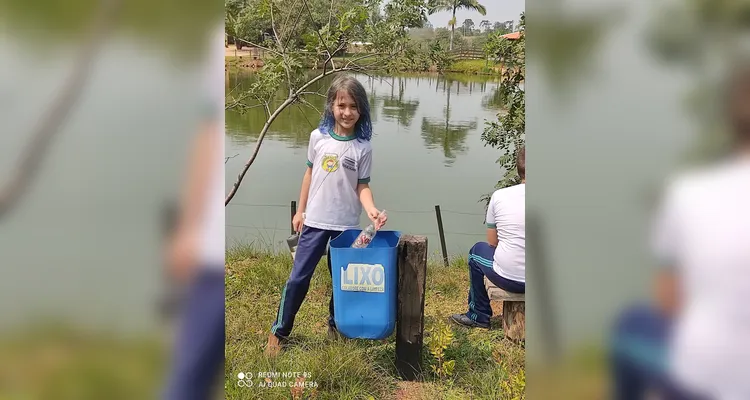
pixel 464 320
pixel 273 347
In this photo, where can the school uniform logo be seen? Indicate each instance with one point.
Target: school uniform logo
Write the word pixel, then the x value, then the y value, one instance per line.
pixel 330 162
pixel 349 164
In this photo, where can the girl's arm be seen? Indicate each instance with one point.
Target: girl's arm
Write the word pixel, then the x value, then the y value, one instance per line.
pixel 365 197
pixel 304 191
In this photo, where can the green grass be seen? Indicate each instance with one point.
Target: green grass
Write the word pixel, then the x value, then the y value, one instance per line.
pixel 469 67
pixel 354 369
pixel 48 362
pixel 473 67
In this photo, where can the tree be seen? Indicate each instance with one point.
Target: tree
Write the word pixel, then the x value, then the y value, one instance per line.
pixel 497 26
pixel 283 81
pixel 508 132
pixel 484 25
pixel 468 25
pixel 436 6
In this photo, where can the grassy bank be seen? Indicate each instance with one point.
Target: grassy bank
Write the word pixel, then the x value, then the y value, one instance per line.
pixel 486 366
pixel 474 67
pixel 469 67
pixel 52 362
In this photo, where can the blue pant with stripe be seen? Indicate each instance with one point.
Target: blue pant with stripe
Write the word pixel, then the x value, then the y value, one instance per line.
pixel 199 349
pixel 480 265
pixel 310 248
pixel 638 356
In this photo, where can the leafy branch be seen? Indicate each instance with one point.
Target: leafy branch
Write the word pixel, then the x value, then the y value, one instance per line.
pixel 508 132
pixel 286 65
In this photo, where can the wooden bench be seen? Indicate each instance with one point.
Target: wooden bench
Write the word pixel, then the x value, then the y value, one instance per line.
pixel 514 310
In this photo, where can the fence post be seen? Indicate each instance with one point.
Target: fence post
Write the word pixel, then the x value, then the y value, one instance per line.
pixel 294 212
pixel 412 277
pixel 442 234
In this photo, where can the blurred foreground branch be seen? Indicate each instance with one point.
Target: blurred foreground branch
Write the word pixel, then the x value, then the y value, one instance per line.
pixel 52 122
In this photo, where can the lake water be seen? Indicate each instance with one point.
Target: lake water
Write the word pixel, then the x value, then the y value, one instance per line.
pixel 427 151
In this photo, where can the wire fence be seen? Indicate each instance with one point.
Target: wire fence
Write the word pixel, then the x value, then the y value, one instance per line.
pixel 442 231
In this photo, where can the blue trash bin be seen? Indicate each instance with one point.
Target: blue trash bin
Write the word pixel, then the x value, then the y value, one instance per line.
pixel 365 282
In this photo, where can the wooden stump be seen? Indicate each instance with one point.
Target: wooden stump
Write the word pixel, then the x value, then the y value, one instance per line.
pixel 514 320
pixel 412 277
pixel 514 311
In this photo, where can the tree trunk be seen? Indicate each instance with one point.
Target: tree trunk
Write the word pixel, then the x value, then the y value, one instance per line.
pixel 453 28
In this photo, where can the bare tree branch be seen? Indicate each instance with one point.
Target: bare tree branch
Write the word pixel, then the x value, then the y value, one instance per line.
pixel 294 27
pixel 276 37
pixel 306 119
pixel 233 89
pixel 267 125
pixel 315 93
pixel 281 46
pixel 295 95
pixel 320 37
pixel 330 13
pixel 240 105
pixel 307 103
pixel 52 123
pixel 226 159
pixel 355 59
pixel 258 46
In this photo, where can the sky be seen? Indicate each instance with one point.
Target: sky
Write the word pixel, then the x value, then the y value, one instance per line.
pixel 497 10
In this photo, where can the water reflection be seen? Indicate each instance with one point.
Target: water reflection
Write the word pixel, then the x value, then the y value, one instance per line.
pixel 396 108
pixel 449 133
pixel 451 108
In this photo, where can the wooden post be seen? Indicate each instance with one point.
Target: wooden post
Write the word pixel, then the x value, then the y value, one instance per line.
pixel 294 212
pixel 442 234
pixel 412 275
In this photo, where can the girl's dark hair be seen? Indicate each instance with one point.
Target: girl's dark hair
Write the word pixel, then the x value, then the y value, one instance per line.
pixel 347 83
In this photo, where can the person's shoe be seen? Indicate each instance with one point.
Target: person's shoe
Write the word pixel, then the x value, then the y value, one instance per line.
pixel 333 333
pixel 464 320
pixel 273 347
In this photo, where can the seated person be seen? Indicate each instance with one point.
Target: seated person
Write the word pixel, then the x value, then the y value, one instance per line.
pixel 694 338
pixel 503 258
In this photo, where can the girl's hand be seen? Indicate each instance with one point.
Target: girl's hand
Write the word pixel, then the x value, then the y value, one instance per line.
pixel 297 221
pixel 373 214
pixel 182 254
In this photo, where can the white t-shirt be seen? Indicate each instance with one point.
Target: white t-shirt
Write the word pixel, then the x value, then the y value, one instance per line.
pixel 703 231
pixel 338 165
pixel 507 213
pixel 212 244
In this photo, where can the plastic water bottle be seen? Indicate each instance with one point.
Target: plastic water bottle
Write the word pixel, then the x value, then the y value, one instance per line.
pixel 365 237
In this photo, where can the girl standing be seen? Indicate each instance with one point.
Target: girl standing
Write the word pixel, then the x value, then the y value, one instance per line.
pixel 335 190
